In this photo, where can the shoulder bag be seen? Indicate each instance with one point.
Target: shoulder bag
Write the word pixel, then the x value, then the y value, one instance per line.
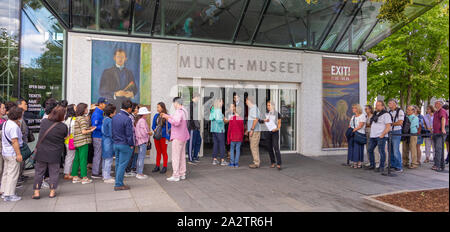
pixel 70 144
pixel 359 138
pixel 42 138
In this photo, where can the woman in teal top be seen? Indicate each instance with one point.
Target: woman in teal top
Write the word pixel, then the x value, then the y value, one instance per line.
pixel 410 145
pixel 218 132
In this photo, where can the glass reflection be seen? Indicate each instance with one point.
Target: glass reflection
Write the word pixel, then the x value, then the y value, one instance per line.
pixel 41 59
pixel 9 52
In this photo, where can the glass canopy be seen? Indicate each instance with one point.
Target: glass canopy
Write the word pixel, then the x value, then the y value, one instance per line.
pixel 344 26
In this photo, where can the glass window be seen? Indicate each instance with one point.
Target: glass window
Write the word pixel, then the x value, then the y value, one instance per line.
pixel 83 14
pixel 143 15
pixel 114 15
pixel 201 19
pixel 360 27
pixel 250 21
pixel 61 7
pixel 288 111
pixel 41 59
pixel 340 25
pixel 384 29
pixel 9 49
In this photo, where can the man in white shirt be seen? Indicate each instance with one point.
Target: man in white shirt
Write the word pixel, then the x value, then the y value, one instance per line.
pixel 380 127
pixel 397 116
pixel 11 142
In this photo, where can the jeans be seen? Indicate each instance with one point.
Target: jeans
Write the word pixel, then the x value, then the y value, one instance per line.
pixel 396 156
pixel 218 145
pixel 234 159
pixel 132 162
pixel 106 167
pixel 381 144
pixel 123 155
pixel 439 151
pixel 97 159
pixel 194 144
pixel 161 150
pixel 140 158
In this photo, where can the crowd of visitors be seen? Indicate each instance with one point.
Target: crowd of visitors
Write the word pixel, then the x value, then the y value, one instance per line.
pixel 76 138
pixel 410 130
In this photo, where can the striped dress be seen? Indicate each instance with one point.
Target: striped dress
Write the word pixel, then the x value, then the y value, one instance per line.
pixel 80 139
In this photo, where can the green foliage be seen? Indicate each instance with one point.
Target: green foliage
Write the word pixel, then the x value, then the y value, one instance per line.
pixel 412 64
pixel 393 10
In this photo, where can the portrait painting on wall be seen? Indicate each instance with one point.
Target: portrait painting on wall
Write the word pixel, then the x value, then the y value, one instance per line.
pixel 121 71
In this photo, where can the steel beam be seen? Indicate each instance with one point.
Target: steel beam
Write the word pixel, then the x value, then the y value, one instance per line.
pixel 330 26
pixel 241 19
pixel 155 14
pixel 347 26
pixel 261 17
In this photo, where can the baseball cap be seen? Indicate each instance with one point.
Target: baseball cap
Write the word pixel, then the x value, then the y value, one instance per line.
pixel 101 100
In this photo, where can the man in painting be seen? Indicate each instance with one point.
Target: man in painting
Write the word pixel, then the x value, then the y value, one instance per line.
pixel 117 83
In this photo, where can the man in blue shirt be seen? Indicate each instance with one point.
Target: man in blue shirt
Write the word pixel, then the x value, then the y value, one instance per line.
pixel 122 135
pixel 96 120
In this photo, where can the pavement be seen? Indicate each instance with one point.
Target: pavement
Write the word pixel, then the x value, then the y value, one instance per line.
pixel 311 184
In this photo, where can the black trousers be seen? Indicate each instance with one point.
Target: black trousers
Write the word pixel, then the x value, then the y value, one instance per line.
pixel 40 169
pixel 272 146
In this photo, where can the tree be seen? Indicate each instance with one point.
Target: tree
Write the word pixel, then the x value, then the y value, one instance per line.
pixel 412 64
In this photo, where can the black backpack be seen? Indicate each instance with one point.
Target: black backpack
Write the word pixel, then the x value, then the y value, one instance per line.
pixel 406 128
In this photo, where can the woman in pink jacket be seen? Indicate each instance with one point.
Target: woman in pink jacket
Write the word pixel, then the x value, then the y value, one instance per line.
pixel 178 136
pixel 235 135
pixel 142 134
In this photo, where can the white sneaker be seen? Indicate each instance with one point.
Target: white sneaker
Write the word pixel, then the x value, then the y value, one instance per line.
pixel 45 185
pixel 173 179
pixel 183 177
pixel 109 181
pixel 141 176
pixel 129 174
pixel 86 181
pixel 12 198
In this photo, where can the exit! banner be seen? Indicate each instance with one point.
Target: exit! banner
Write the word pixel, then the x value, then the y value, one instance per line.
pixel 340 84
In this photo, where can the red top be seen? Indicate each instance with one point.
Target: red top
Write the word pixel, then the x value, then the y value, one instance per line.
pixel 437 127
pixel 235 129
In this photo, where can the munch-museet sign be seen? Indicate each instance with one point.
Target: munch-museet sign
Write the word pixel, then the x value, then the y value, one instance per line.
pixel 238 63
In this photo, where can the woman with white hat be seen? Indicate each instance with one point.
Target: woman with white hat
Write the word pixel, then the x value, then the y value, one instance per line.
pixel 143 133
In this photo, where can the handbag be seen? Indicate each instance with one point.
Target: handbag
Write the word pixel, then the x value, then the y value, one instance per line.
pixel 149 145
pixel 158 131
pixel 70 143
pixel 360 138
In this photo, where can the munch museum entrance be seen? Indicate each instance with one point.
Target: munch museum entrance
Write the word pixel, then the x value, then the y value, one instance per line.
pixel 283 95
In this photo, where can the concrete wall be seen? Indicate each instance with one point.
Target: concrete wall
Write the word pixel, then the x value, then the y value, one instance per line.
pixel 166 70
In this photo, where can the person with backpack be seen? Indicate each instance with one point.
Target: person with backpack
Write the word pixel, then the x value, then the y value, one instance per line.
pixel 410 143
pixel 11 143
pixel 381 124
pixel 161 137
pixel 397 118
